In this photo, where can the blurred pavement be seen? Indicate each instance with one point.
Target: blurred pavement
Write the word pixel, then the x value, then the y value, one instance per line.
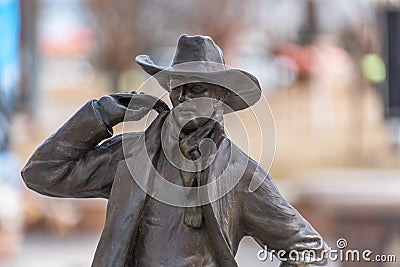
pixel 77 250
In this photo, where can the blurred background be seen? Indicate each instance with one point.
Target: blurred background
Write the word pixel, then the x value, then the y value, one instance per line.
pixel 330 71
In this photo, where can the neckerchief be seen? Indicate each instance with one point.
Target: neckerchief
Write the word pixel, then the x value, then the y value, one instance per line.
pixel 191 157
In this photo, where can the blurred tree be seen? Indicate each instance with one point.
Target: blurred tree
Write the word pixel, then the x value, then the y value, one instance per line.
pixel 127 28
pixel 119 34
pixel 224 20
pixel 29 55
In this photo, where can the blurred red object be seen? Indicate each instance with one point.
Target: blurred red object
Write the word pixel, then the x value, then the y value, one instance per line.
pixel 79 41
pixel 9 243
pixel 300 56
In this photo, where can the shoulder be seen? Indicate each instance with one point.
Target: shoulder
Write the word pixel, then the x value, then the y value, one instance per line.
pixel 254 174
pixel 239 155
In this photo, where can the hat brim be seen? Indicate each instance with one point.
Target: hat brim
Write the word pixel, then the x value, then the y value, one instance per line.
pixel 244 88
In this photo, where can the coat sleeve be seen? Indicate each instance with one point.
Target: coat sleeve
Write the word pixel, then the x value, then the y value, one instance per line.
pixel 277 226
pixel 70 163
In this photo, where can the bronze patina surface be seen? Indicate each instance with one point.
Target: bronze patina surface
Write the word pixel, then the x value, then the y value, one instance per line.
pixel 83 160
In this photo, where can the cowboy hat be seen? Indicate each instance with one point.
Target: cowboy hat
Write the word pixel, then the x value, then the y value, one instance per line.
pixel 199 59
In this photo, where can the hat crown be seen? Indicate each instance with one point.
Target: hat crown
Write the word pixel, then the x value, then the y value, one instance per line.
pixel 197 48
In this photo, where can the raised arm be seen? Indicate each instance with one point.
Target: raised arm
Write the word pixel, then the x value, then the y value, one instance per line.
pixel 71 163
pixel 274 223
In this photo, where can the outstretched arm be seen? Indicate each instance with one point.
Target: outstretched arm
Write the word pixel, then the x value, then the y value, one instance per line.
pixel 274 223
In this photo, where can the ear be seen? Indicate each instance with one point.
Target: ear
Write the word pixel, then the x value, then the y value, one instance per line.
pixel 174 102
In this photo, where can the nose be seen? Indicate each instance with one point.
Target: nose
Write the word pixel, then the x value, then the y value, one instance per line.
pixel 183 95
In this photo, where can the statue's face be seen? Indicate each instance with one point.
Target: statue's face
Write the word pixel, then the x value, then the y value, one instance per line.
pixel 191 113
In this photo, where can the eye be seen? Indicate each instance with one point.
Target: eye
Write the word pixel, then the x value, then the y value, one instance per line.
pixel 198 89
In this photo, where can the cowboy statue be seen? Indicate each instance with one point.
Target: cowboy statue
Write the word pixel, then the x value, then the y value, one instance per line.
pixel 179 193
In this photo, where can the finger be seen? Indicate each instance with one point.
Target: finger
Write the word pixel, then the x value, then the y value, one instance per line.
pixel 161 106
pixel 134 101
pixel 136 114
pixel 149 101
pixel 144 99
pixel 121 95
pixel 122 98
pixel 152 100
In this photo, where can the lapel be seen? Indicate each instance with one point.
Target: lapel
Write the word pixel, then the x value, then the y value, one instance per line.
pixel 226 172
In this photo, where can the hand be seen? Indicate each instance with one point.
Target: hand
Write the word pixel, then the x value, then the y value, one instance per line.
pixel 134 101
pixel 129 106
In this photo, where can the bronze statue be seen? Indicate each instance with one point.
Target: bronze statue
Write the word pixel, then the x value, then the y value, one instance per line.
pixel 213 207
